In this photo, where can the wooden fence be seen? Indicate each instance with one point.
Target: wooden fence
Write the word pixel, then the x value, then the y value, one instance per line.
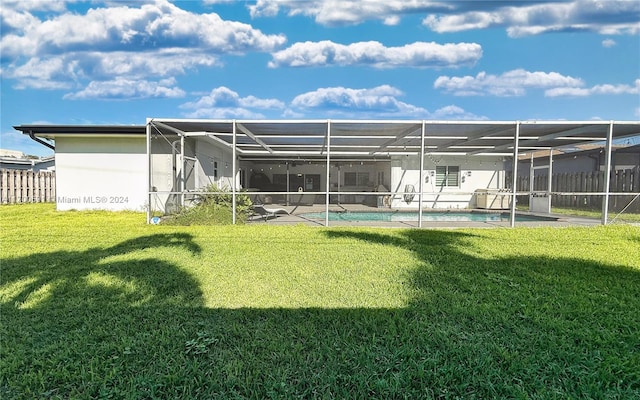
pixel 19 186
pixel 622 181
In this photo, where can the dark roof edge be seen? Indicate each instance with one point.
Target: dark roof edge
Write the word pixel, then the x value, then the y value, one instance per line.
pixel 82 129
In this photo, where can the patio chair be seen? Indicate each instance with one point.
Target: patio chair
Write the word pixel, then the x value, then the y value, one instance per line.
pixel 268 212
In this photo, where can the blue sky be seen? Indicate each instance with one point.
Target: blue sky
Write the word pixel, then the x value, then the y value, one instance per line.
pixel 119 62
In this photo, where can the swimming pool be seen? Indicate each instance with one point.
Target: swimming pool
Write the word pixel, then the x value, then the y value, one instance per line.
pixel 401 216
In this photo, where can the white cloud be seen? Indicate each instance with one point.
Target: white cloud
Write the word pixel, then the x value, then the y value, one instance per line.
pixel 392 20
pixel 605 17
pixel 50 73
pixel 116 42
pixel 418 54
pixel 608 43
pixel 345 12
pixel 511 83
pixel 157 25
pixel 121 88
pixel 264 8
pixel 377 102
pixel 164 62
pixel 605 89
pixel 517 82
pixel 223 102
pixel 36 5
pixel 519 18
pixel 453 112
pixel 381 98
pixel 66 70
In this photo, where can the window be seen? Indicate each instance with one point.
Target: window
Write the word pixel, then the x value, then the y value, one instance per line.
pixel 448 176
pixel 356 178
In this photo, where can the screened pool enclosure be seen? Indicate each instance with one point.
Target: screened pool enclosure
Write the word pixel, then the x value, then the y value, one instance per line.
pixel 333 166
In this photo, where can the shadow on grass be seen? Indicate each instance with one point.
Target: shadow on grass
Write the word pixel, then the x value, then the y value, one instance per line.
pixel 120 323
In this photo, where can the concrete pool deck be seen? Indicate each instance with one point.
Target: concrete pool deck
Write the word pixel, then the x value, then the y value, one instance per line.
pixel 296 217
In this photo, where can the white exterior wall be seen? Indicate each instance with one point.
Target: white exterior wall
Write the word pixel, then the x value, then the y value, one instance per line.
pixel 101 173
pixel 486 173
pixel 208 154
pixel 200 155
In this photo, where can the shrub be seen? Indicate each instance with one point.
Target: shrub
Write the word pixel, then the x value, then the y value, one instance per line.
pixel 213 206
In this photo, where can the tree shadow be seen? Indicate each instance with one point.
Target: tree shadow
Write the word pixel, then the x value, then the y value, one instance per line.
pixel 521 326
pixel 474 328
pixel 112 273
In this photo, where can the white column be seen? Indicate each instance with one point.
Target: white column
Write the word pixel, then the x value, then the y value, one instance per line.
pixel 149 180
pixel 514 170
pixel 326 205
pixel 607 176
pixel 182 176
pixel 421 185
pixel 233 179
pixel 550 180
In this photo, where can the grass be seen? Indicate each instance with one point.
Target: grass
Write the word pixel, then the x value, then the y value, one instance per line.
pixel 597 214
pixel 100 305
pixel 625 217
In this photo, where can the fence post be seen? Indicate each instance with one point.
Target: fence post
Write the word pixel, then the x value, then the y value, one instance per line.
pixel 3 186
pixel 52 186
pixel 590 181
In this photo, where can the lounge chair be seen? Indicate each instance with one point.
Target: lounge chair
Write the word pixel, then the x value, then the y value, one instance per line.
pixel 268 212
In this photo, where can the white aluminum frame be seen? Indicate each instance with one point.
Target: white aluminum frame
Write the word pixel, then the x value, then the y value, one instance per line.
pixel 406 138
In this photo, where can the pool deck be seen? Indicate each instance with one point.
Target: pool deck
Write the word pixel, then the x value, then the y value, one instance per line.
pixel 296 217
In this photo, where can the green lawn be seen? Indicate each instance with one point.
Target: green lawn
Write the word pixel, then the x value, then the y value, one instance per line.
pixel 597 214
pixel 101 305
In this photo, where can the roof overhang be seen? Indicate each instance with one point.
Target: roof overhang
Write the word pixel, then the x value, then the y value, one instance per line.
pixel 53 131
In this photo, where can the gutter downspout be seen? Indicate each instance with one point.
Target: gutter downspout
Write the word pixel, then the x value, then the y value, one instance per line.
pixel 37 139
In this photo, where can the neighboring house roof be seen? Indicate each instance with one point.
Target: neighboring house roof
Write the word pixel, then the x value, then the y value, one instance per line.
pixel 12 153
pixel 579 151
pixel 35 164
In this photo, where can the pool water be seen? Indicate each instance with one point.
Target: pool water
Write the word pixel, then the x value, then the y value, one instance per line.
pixel 400 216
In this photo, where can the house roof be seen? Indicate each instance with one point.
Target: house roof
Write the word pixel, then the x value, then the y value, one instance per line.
pixel 364 138
pixel 53 131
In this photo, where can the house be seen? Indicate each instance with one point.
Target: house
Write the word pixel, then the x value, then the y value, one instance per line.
pixel 97 167
pixel 398 164
pixel 583 158
pixel 13 159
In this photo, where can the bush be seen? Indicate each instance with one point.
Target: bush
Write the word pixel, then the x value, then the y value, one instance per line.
pixel 213 206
